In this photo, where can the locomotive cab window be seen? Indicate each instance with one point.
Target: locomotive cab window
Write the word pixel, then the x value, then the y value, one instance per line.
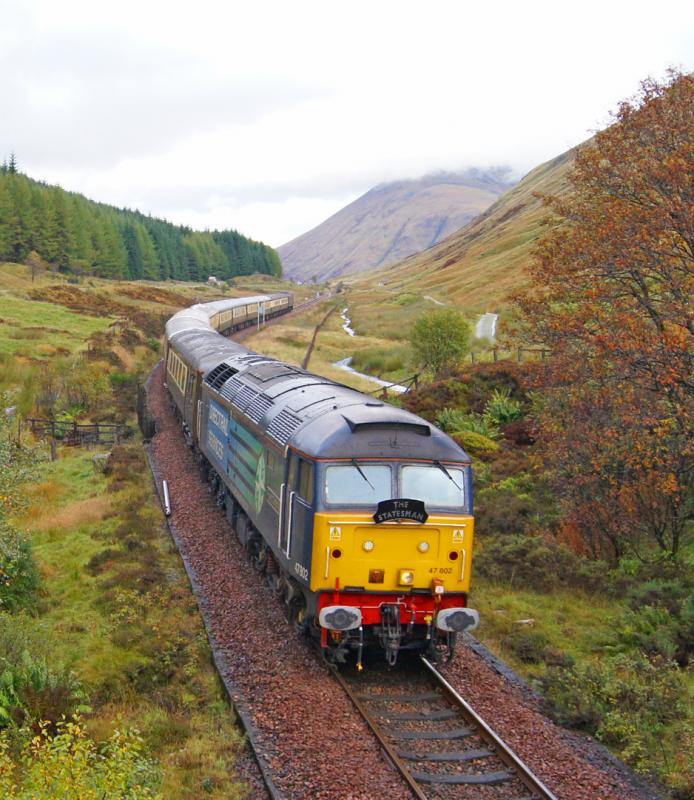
pixel 365 484
pixel 435 486
pixel 306 481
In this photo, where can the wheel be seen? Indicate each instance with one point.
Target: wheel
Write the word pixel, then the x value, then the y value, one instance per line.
pixel 258 553
pixel 296 614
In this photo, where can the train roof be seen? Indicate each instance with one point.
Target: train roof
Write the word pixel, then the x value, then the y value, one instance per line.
pixel 313 414
pixel 198 317
pixel 322 418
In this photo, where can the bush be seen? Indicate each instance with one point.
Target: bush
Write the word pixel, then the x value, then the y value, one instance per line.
pixel 455 420
pixel 659 620
pixel 627 703
pixel 501 408
pixel 528 646
pixel 19 576
pixel 501 510
pixel 474 443
pixel 534 562
pixel 66 763
pixel 31 691
pixel 375 361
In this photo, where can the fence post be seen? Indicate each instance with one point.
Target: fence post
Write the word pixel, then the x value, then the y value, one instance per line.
pixel 520 357
pixel 472 356
pixel 495 352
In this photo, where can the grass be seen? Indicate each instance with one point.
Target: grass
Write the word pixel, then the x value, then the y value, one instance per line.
pixel 35 330
pixel 574 623
pixel 140 648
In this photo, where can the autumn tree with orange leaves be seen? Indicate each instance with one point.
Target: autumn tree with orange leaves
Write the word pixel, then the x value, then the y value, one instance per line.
pixel 612 299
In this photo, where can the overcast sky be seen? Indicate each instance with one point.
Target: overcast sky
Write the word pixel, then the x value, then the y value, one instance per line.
pixel 270 116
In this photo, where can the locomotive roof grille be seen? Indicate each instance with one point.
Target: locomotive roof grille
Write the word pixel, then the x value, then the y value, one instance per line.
pixel 231 388
pixel 244 398
pixel 256 410
pixel 283 426
pixel 219 376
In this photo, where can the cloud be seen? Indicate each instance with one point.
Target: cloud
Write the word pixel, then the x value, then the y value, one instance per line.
pixel 265 116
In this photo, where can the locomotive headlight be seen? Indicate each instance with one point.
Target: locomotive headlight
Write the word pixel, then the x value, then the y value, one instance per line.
pixel 423 547
pixel 406 577
pixel 368 545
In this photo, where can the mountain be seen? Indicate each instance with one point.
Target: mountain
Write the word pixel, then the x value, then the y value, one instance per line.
pixel 479 265
pixel 390 222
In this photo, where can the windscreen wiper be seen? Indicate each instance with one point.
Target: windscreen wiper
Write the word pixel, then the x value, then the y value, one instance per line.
pixel 448 475
pixel 361 472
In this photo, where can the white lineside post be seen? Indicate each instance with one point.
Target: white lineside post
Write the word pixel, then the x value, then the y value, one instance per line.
pixel 167 498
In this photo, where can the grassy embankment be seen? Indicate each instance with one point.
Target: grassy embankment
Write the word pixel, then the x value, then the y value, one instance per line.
pixel 114 605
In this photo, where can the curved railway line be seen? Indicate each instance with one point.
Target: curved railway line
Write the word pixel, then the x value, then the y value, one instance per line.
pixel 439 744
pixel 305 735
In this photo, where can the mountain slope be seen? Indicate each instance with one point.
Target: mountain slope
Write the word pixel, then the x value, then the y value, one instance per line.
pixel 479 265
pixel 390 222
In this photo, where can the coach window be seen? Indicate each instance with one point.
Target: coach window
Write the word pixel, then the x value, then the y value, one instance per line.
pixel 306 481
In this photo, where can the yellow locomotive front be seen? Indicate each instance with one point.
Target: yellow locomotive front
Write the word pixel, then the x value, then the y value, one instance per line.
pixel 392 552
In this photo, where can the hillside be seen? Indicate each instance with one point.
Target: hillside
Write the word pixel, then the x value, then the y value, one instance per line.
pixel 390 222
pixel 75 234
pixel 479 265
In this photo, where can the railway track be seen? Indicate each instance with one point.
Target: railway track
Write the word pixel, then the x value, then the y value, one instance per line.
pixel 438 743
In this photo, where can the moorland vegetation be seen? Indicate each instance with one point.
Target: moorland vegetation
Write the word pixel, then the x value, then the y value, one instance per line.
pixel 107 687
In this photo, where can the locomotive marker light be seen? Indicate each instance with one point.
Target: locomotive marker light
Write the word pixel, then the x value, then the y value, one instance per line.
pixel 423 547
pixel 368 545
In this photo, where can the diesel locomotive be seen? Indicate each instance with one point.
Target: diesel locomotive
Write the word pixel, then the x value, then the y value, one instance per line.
pixel 359 513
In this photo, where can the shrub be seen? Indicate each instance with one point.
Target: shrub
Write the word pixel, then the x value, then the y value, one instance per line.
pixel 455 420
pixel 502 511
pixel 501 408
pixel 474 443
pixel 659 620
pixel 19 576
pixel 31 691
pixel 528 646
pixel 66 763
pixel 535 562
pixel 406 299
pixel 375 361
pixel 627 703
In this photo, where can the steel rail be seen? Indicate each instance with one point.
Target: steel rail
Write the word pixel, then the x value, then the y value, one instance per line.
pixel 385 744
pixel 505 753
pixel 499 748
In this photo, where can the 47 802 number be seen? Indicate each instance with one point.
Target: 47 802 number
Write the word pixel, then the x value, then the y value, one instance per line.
pixel 441 570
